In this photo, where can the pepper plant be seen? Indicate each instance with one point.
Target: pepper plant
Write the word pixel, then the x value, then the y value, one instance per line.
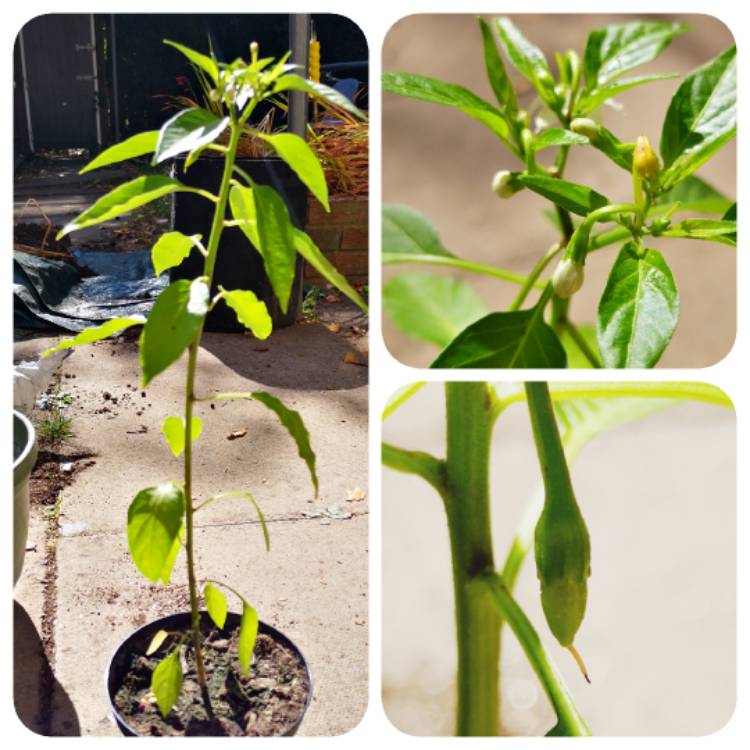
pixel 564 417
pixel 161 519
pixel 638 308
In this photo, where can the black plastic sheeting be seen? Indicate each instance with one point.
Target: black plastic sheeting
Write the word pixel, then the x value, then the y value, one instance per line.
pixel 50 294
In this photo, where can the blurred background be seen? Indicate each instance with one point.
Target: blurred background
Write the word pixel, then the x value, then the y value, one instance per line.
pixel 659 636
pixel 441 162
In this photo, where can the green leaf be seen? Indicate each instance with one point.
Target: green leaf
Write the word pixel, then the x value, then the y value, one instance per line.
pixel 614 49
pixel 315 257
pixel 275 241
pixel 97 333
pixel 432 308
pixel 620 153
pixel 715 230
pixel 526 57
pixel 694 195
pixel 248 634
pixel 292 420
pixel 406 230
pixel 496 73
pixel 318 90
pixel 590 101
pixel 451 95
pixel 186 131
pixel 638 310
pixel 576 359
pixel 127 197
pixel 577 198
pixel 137 145
pixel 156 641
pixel 216 604
pixel 302 159
pixel 251 312
pixel 166 682
pixel 505 339
pixel 204 62
pixel 171 249
pixel 558 137
pixel 701 118
pixel 243 209
pixel 174 431
pixel 731 213
pixel 154 524
pixel 170 328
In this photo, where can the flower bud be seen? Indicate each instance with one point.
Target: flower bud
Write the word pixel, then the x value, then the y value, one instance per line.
pixel 645 161
pixel 585 126
pixel 501 184
pixel 567 278
pixel 254 51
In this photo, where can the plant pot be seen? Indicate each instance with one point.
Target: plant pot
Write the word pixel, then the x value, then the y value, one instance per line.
pixel 238 264
pixel 136 644
pixel 24 458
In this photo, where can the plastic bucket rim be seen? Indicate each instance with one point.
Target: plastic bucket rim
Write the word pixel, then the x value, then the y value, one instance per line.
pixel 262 627
pixel 30 440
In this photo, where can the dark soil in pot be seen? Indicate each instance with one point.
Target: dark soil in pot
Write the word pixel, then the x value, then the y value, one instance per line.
pixel 270 701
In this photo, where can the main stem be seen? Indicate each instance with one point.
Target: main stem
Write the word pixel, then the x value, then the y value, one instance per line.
pixel 466 496
pixel 208 269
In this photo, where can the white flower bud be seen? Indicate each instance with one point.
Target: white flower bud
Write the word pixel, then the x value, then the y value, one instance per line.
pixel 567 278
pixel 198 300
pixel 501 184
pixel 585 126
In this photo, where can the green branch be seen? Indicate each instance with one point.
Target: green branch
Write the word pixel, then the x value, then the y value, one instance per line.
pixel 431 469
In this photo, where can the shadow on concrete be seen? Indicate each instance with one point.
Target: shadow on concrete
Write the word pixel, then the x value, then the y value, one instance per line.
pixel 306 357
pixel 37 695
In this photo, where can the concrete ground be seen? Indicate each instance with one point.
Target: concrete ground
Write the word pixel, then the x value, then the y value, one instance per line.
pixel 439 161
pixel 80 594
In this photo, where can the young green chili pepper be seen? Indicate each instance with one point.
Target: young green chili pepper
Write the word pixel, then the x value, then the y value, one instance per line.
pixel 561 540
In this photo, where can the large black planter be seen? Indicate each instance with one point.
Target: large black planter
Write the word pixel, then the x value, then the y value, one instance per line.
pixel 238 264
pixel 138 642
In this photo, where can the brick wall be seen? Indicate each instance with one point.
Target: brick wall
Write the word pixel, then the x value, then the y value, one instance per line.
pixel 341 235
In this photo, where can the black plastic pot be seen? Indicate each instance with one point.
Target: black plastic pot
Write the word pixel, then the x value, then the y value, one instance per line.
pixel 238 264
pixel 138 641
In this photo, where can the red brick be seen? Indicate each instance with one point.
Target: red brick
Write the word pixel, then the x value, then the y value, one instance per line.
pixel 344 210
pixel 354 238
pixel 326 238
pixel 352 264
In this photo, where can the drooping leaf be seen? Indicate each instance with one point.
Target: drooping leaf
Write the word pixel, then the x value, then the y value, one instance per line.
pixel 292 420
pixel 315 257
pixel 204 62
pixel 136 145
pixel 174 431
pixel 638 310
pixel 406 230
pixel 449 94
pixel 318 90
pixel 187 131
pixel 216 605
pixel 122 199
pixel 166 682
pixel 694 195
pixel 156 641
pixel 617 48
pixel 526 57
pixel 590 101
pixel 505 339
pixel 154 524
pixel 248 634
pixel 300 157
pixel 251 312
pixel 701 118
pixel 432 308
pixel 496 73
pixel 577 198
pixel 168 331
pixel 558 137
pixel 171 249
pixel 97 333
pixel 243 209
pixel 714 230
pixel 275 241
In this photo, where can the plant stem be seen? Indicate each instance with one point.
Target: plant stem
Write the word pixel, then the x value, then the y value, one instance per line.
pixel 581 343
pixel 470 418
pixel 536 272
pixel 212 247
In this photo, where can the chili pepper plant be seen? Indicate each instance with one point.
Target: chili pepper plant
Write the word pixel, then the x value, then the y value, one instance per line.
pixel 564 417
pixel 161 519
pixel 638 308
